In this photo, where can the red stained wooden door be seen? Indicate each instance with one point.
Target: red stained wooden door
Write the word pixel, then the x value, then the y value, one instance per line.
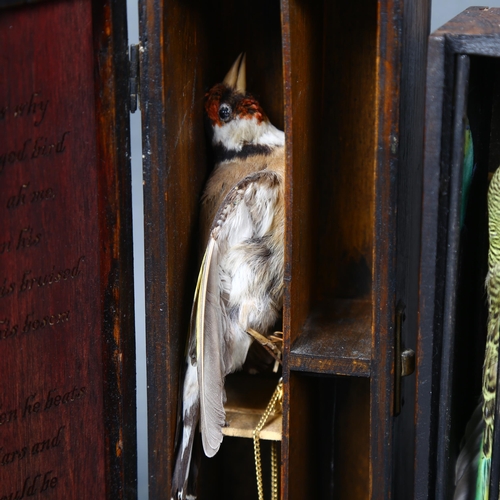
pixel 51 375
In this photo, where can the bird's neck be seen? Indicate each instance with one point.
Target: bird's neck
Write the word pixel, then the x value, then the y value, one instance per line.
pixel 245 137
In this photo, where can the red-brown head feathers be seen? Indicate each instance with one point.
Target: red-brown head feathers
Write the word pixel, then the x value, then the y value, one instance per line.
pixel 223 104
pixel 239 125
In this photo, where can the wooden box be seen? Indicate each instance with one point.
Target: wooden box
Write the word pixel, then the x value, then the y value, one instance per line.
pixel 463 80
pixel 67 370
pixel 346 82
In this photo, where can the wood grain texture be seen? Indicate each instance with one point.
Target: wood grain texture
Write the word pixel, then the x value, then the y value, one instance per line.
pixel 415 29
pixel 389 21
pixel 188 47
pixel 116 251
pixel 247 400
pixel 336 339
pixel 452 262
pixel 69 367
pixel 338 96
pixel 330 50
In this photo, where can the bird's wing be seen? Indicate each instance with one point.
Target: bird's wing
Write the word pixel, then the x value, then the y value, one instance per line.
pixel 247 212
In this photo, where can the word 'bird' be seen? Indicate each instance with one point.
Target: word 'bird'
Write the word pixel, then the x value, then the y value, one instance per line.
pixel 240 284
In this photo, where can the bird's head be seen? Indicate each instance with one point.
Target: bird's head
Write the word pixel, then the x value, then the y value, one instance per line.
pixel 238 122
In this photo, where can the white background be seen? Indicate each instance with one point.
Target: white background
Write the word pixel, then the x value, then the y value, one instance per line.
pixel 442 11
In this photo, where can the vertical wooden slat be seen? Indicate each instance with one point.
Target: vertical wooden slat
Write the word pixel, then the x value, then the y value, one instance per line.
pixel 383 288
pixel 415 29
pixel 115 207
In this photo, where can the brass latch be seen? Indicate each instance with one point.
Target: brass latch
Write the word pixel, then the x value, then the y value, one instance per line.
pixel 404 363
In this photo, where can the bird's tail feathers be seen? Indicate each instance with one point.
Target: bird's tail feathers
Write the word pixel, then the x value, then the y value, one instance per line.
pixel 468 459
pixel 190 416
pixel 483 477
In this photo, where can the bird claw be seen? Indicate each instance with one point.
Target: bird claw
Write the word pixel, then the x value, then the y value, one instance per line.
pixel 270 344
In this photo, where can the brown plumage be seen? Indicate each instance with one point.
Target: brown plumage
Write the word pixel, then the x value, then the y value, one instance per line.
pixel 240 285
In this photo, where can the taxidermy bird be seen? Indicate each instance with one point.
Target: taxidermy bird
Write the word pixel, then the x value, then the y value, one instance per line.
pixel 240 283
pixel 491 350
pixel 474 463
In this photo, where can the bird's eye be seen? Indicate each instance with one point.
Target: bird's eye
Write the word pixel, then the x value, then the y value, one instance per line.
pixel 225 112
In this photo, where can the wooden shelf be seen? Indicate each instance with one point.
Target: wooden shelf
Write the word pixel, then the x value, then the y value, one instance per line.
pixel 247 399
pixel 336 339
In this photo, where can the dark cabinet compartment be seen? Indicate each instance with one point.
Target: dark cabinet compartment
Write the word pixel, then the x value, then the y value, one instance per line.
pixel 463 86
pixel 330 74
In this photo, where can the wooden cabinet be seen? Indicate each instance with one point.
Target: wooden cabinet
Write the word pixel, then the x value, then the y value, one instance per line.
pixel 346 81
pixel 67 370
pixel 462 83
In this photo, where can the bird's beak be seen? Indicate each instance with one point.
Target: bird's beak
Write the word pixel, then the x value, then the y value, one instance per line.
pixel 237 75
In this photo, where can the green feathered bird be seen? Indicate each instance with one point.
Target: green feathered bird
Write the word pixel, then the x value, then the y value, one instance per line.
pixel 491 351
pixel 474 462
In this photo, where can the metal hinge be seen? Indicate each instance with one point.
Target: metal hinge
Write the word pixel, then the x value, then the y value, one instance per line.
pixel 134 73
pixel 404 359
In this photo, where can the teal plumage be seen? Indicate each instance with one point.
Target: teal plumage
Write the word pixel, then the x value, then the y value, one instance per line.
pixel 467 171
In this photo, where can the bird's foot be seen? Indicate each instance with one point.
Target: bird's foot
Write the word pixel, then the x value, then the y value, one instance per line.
pixel 272 344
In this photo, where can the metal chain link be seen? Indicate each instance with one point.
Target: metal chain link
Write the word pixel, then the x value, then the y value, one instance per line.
pixel 275 399
pixel 274 470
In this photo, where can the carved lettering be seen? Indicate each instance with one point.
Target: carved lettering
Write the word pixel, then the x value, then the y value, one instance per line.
pixel 4 247
pixel 12 456
pixel 45 147
pixel 14 156
pixel 28 489
pixel 18 199
pixel 33 485
pixel 6 288
pixel 55 276
pixel 42 195
pixel 54 398
pixel 23 197
pixel 48 481
pixel 7 416
pixel 48 444
pixel 6 330
pixel 27 238
pixel 34 107
pixel 42 147
pixel 31 406
pixel 34 324
pixel 9 457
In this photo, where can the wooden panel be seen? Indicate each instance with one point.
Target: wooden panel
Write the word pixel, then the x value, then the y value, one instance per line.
pixel 336 339
pixel 330 50
pixel 453 259
pixel 247 400
pixel 352 433
pixel 66 305
pixel 387 140
pixel 188 47
pixel 415 30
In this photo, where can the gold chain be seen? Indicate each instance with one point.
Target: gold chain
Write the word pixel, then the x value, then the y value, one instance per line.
pixel 276 401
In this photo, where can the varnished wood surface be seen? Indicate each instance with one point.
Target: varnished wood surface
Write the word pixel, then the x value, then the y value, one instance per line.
pixel 330 49
pixel 188 47
pixel 247 400
pixel 336 339
pixel 415 29
pixel 109 25
pixel 76 373
pixel 338 95
pixel 452 262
